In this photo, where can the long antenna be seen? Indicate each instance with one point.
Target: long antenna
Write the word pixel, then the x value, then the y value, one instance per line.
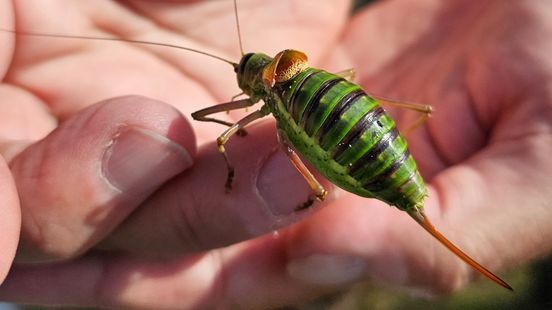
pixel 238 26
pixel 67 36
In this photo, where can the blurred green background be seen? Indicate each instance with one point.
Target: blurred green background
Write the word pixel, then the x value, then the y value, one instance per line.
pixel 360 3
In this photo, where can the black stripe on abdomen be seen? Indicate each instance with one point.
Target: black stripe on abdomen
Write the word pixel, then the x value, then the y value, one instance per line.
pixel 338 111
pixel 379 182
pixel 356 132
pixel 371 155
pixel 315 99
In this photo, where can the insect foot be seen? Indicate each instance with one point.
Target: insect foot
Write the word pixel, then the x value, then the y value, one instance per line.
pixel 321 196
pixel 307 204
pixel 229 179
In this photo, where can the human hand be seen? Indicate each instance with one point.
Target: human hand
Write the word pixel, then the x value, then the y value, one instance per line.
pixel 103 161
pixel 483 67
pixel 353 239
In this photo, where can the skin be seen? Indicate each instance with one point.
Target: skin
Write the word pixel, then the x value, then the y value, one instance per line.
pixel 122 199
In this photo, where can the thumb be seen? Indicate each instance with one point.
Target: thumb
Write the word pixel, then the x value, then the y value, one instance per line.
pixel 82 180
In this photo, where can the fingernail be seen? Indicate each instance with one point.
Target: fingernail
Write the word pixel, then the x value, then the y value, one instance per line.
pixel 281 185
pixel 327 269
pixel 139 160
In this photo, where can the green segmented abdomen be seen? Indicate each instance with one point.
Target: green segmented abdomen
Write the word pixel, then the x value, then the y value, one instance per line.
pixel 348 137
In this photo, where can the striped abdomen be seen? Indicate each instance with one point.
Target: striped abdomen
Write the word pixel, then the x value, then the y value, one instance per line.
pixel 348 138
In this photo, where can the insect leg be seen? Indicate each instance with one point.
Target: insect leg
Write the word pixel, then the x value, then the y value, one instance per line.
pixel 348 74
pixel 223 138
pixel 236 96
pixel 234 99
pixel 201 115
pixel 425 109
pixel 320 192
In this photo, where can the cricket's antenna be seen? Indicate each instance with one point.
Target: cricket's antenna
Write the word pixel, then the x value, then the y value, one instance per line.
pixel 67 36
pixel 238 26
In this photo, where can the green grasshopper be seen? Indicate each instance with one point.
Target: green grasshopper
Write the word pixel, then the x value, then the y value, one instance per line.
pixel 330 122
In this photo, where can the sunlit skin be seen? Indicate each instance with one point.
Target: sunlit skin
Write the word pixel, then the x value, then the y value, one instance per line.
pixel 484 67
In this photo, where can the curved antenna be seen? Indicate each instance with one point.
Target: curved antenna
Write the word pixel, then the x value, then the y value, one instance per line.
pixel 238 26
pixel 67 36
pixel 421 219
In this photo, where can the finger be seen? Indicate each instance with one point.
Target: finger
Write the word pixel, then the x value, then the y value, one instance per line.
pixel 248 276
pixel 501 199
pixel 10 219
pixel 194 212
pixel 83 179
pixel 23 123
pixel 258 274
pixel 334 248
pixel 28 120
pixel 364 239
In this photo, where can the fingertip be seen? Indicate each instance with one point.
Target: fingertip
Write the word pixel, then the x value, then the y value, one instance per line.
pixel 149 114
pixel 139 160
pixel 281 186
pixel 355 238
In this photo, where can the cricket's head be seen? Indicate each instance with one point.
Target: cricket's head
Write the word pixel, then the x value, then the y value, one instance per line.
pixel 249 73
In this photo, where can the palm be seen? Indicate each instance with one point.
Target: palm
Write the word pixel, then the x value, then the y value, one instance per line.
pixel 183 79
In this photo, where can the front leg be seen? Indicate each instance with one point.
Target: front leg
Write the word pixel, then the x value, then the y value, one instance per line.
pixel 202 115
pixel 225 136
